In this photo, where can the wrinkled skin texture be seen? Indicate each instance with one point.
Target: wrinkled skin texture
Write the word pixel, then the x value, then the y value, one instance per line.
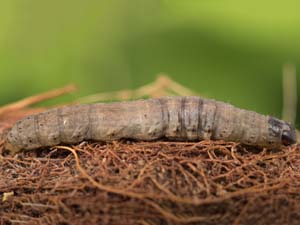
pixel 172 118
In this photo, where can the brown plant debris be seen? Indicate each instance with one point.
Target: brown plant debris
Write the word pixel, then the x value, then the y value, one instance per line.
pixel 23 103
pixel 162 86
pixel 151 183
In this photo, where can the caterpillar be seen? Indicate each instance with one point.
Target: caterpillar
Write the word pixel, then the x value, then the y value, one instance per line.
pixel 171 118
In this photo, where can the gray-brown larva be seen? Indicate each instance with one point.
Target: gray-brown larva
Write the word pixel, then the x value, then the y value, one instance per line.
pixel 173 118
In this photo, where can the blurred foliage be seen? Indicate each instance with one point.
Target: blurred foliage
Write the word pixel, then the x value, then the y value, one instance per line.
pixel 228 50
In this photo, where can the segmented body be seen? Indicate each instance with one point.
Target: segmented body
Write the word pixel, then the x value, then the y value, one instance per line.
pixel 173 118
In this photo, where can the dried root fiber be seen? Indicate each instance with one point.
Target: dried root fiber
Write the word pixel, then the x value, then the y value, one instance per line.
pixel 208 182
pixel 125 182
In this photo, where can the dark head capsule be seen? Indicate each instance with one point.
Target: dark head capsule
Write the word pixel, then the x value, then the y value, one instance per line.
pixel 282 130
pixel 288 135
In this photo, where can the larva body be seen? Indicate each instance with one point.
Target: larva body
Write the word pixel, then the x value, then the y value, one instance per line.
pixel 173 118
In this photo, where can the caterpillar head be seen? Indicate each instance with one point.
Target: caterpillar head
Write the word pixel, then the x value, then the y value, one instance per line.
pixel 283 131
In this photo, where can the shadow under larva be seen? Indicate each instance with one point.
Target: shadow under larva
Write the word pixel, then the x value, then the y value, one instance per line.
pixel 172 118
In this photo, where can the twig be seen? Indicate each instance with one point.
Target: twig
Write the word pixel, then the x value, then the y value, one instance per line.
pixel 37 98
pixel 162 86
pixel 289 93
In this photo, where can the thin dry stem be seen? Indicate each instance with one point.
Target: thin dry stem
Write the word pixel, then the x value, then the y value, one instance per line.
pixel 289 83
pixel 162 86
pixel 37 98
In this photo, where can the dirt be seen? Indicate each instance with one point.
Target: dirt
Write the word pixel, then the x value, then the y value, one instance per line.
pixel 127 182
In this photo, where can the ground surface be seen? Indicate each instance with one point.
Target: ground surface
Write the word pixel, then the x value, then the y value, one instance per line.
pixel 160 182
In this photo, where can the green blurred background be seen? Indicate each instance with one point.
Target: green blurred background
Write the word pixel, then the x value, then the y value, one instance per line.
pixel 228 50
